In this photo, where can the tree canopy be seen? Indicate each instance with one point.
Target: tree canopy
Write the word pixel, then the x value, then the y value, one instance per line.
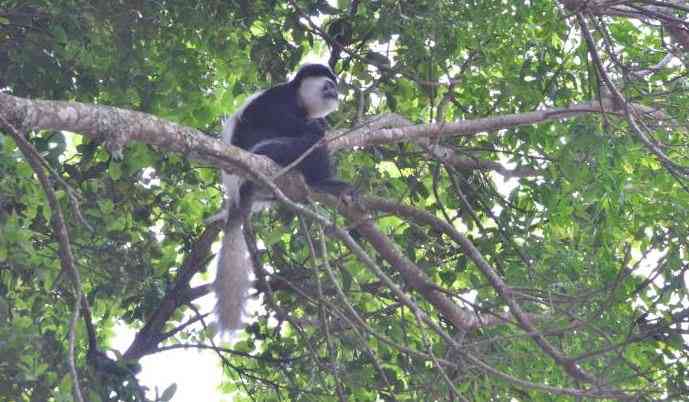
pixel 521 232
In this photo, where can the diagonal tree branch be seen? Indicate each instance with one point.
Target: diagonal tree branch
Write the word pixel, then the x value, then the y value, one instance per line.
pixel 651 10
pixel 417 279
pixel 147 339
pixel 65 249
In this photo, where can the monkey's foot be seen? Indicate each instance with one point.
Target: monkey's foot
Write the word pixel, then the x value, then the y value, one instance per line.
pixel 351 197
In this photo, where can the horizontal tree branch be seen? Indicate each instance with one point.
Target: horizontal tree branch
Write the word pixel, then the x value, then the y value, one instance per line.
pixel 118 127
pixel 373 135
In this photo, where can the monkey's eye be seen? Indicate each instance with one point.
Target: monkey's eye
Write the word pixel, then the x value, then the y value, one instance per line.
pixel 330 89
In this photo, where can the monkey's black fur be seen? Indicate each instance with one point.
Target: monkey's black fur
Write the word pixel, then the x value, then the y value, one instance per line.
pixel 278 112
pixel 281 123
pixel 276 124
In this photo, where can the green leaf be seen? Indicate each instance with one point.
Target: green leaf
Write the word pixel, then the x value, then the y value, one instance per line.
pixel 115 170
pixel 169 392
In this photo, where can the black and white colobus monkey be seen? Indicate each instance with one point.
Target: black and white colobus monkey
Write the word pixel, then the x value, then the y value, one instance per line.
pixel 282 123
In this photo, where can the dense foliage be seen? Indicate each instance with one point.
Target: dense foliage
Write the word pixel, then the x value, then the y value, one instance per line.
pixel 577 282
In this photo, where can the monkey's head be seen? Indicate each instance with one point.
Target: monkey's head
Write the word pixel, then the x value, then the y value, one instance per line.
pixel 317 90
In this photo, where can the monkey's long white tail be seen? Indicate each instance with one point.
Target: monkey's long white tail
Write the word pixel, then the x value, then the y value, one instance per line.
pixel 232 281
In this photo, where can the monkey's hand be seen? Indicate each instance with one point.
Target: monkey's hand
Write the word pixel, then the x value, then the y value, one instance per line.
pixel 350 196
pixel 317 125
pixel 345 192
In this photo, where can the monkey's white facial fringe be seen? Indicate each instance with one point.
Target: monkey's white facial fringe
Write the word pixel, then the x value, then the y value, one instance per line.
pixel 311 96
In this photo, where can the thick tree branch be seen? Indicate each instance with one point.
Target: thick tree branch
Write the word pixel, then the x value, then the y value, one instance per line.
pixel 409 271
pixel 118 127
pixel 351 213
pixel 151 334
pixel 375 136
pixel 653 10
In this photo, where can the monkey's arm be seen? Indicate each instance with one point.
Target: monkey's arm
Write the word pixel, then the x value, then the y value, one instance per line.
pixel 285 150
pixel 315 167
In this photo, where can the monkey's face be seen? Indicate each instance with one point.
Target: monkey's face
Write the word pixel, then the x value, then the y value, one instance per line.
pixel 318 95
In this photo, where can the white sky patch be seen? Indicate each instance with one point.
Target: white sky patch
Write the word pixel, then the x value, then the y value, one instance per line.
pixel 648 264
pixel 149 178
pixel 197 373
pixel 504 187
pixel 469 299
